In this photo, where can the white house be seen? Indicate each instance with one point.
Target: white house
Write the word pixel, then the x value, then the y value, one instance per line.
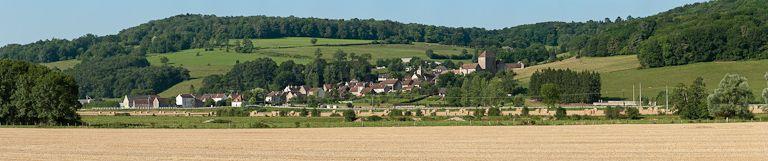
pixel 185 100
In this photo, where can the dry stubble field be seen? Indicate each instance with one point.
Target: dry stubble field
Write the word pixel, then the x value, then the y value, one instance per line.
pixel 732 141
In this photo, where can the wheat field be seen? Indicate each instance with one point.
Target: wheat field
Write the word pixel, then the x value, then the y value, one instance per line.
pixel 730 141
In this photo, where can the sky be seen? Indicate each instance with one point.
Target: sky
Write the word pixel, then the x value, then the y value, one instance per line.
pixel 26 21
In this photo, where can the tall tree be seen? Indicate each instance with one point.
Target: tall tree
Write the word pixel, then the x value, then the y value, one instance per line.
pixel 731 98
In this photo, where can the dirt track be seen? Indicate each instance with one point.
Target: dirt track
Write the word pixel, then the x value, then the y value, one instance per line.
pixel 736 141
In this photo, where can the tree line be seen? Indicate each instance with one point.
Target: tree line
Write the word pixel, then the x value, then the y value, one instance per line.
pixel 124 75
pixel 34 94
pixel 730 30
pixel 565 86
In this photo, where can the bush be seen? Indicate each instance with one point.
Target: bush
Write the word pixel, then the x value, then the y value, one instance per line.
pixel 335 115
pixel 374 118
pixel 408 113
pixel 219 121
pixel 122 114
pixel 303 112
pixel 612 112
pixel 395 113
pixel 633 113
pixel 234 112
pixel 525 111
pixel 479 113
pixel 560 113
pixel 419 113
pixel 259 125
pixel 315 112
pixel 349 115
pixel 493 111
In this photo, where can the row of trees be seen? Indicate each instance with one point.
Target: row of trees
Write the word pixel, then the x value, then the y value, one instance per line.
pixel 266 74
pixel 479 88
pixel 731 98
pixel 34 94
pixel 565 86
pixel 730 30
pixel 463 56
pixel 124 75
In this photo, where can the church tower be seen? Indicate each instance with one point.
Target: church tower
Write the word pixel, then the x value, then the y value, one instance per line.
pixel 487 61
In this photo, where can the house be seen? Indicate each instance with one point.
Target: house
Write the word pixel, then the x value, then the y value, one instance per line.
pixel 394 84
pixel 215 97
pixel 275 97
pixel 317 92
pixel 380 88
pixel 237 100
pixel 144 101
pixel 299 89
pixel 293 95
pixel 87 100
pixel 440 69
pixel 327 87
pixel 186 101
pixel 468 68
pixel 383 77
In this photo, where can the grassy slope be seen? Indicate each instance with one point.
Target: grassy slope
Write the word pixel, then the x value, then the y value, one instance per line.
pixel 600 64
pixel 63 65
pixel 655 79
pixel 298 49
pixel 619 73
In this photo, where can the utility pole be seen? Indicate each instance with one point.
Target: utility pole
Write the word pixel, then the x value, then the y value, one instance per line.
pixel 641 95
pixel 666 90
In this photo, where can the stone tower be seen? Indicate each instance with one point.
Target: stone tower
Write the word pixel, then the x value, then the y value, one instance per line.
pixel 487 61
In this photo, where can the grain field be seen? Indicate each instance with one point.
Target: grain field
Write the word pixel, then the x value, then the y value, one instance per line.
pixel 732 141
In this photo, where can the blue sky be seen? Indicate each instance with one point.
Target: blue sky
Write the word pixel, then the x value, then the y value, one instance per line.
pixel 26 21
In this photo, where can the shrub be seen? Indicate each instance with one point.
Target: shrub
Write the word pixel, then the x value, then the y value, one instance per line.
pixel 303 112
pixel 403 119
pixel 560 113
pixel 374 118
pixel 219 121
pixel 525 111
pixel 259 125
pixel 493 111
pixel 315 112
pixel 335 115
pixel 612 112
pixel 408 113
pixel 479 113
pixel 234 112
pixel 122 114
pixel 419 113
pixel 395 113
pixel 633 113
pixel 349 115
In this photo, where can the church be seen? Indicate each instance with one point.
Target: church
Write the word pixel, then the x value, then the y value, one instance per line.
pixel 487 61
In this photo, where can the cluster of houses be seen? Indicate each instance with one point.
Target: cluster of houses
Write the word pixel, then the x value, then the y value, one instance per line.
pixel 181 100
pixel 384 84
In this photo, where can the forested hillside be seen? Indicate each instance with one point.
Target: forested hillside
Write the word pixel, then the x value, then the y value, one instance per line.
pixel 717 30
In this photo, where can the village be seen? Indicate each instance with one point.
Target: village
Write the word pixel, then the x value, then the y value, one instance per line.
pixel 384 84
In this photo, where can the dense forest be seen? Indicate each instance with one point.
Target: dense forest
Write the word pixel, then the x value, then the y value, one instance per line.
pixel 124 75
pixel 710 31
pixel 33 94
pixel 571 86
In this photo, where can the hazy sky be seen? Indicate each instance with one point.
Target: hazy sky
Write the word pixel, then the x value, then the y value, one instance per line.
pixel 25 21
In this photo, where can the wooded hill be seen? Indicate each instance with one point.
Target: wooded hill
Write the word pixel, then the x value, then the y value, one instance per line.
pixel 711 31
